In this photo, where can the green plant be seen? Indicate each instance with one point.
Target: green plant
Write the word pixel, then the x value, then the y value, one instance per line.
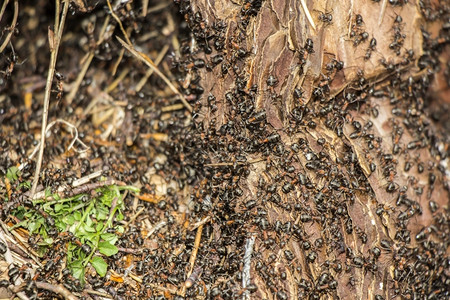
pixel 90 221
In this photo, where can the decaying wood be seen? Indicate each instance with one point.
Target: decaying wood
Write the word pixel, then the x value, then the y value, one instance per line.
pixel 274 41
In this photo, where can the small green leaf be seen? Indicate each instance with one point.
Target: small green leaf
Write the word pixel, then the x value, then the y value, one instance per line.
pixel 107 249
pixel 58 207
pixel 89 227
pixel 109 237
pixel 99 227
pixel 102 213
pixel 69 219
pixel 11 174
pixel 77 216
pixel 119 216
pixel 26 184
pixel 77 269
pixel 34 226
pixel 88 222
pixel 99 265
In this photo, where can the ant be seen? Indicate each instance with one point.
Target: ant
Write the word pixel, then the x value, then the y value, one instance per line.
pixel 326 18
pixel 59 85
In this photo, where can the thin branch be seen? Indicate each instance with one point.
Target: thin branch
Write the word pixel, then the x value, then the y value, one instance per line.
pixel 202 222
pixel 5 3
pixel 198 237
pixel 48 88
pixel 104 295
pixel 155 228
pixel 145 59
pixel 119 78
pixel 13 25
pixel 172 107
pixel 57 289
pixel 158 7
pixel 131 220
pixel 20 243
pixel 75 139
pixel 144 7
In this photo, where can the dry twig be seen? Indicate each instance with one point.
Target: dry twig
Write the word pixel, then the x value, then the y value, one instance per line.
pixel 53 56
pixel 198 237
pixel 5 3
pixel 13 25
pixel 20 243
pixel 226 164
pixel 57 289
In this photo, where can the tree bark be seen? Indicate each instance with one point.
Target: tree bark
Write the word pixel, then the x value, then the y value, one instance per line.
pixel 317 140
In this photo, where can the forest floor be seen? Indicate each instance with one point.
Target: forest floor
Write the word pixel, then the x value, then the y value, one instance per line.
pixel 106 205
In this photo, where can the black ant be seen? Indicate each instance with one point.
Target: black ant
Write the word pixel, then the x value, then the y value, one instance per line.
pixel 59 85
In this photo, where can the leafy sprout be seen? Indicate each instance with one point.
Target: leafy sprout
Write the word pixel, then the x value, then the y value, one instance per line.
pixel 88 224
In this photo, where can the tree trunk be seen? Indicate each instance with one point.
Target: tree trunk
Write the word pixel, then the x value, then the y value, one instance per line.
pixel 320 141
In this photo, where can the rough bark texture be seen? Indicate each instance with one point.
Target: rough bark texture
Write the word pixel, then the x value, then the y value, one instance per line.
pixel 339 173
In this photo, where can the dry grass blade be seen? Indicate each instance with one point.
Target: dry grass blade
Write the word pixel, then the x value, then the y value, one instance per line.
pixel 144 58
pixel 149 73
pixel 144 7
pixel 308 15
pixel 383 9
pixel 118 22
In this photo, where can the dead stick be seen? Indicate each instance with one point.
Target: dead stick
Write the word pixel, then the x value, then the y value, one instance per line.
pixel 48 88
pixel 13 25
pixel 57 289
pixel 198 237
pixel 5 3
